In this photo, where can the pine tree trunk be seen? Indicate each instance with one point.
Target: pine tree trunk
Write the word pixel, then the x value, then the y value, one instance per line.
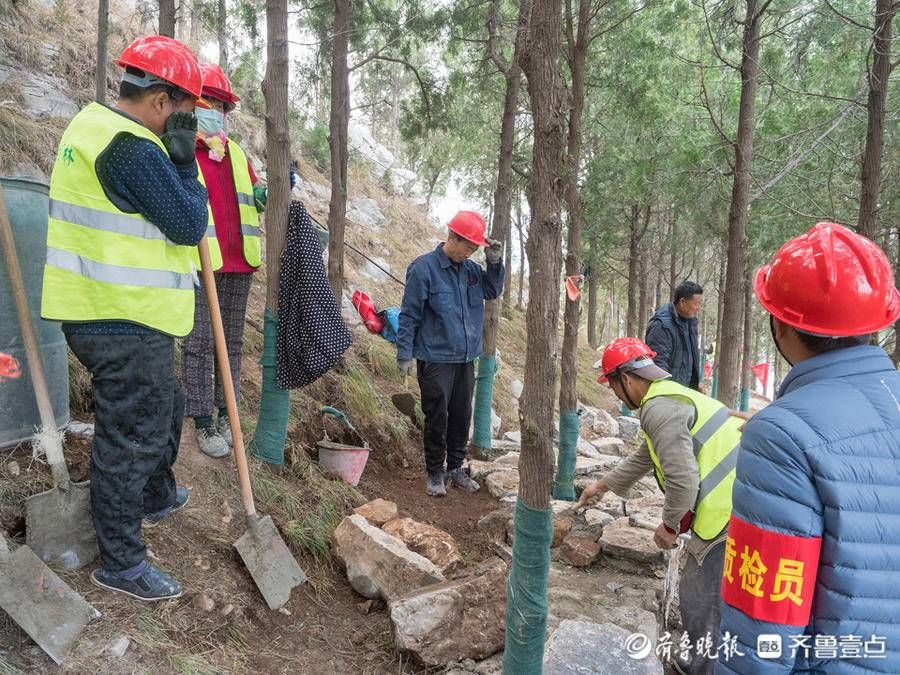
pixel 673 270
pixel 526 615
pixel 337 141
pixel 729 346
pixel 631 314
pixel 720 288
pixel 195 26
pixel 643 297
pixel 278 144
pixel 592 282
pixel 432 182
pixel 520 301
pixel 222 31
pixel 102 51
pixel 541 66
pixel 507 263
pixel 569 426
pixel 878 88
pixel 747 355
pixel 500 209
pixel 167 18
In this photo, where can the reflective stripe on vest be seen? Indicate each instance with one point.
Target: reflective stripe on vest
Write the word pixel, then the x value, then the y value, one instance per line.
pixel 215 252
pixel 716 440
pixel 249 216
pixel 104 264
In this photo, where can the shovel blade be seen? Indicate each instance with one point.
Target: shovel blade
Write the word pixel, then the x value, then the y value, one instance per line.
pixel 270 563
pixel 58 526
pixel 406 403
pixel 44 606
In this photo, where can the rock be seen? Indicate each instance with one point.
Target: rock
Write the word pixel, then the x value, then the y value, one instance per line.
pixel 80 429
pixel 498 449
pixel 491 666
pixel 587 416
pixel 495 523
pixel 427 540
pixel 455 620
pixel 597 517
pixel 377 564
pixel 629 428
pixel 496 423
pixel 646 510
pixel 574 593
pixel 378 511
pixel 12 468
pixel 516 388
pixel 380 158
pixel 510 459
pixel 365 211
pixel 503 483
pixel 605 425
pixel 586 449
pixel 403 181
pixel 376 269
pixel 227 610
pixel 349 313
pixel 514 436
pixel 204 603
pixel 632 544
pixel 479 470
pixel 310 193
pixel 561 527
pixel 609 446
pixel 503 551
pixel 580 550
pixel 42 95
pixel 370 606
pixel 117 646
pixel 582 648
pixel 585 466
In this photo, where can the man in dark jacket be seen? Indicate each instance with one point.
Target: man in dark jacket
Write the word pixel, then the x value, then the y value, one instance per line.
pixel 672 334
pixel 812 558
pixel 441 321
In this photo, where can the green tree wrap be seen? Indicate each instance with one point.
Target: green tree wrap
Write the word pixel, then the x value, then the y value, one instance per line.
pixel 745 400
pixel 526 592
pixel 274 405
pixel 484 395
pixel 569 426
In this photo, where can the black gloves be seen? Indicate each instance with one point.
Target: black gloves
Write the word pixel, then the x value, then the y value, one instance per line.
pixel 180 137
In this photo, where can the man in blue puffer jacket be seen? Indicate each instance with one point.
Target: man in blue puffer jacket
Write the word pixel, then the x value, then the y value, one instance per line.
pixel 811 581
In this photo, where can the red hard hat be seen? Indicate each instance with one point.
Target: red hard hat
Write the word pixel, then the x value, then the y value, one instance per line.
pixel 216 84
pixel 830 281
pixel 470 226
pixel 167 59
pixel 619 352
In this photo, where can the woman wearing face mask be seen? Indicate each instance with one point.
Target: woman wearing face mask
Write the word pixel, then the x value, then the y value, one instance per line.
pixel 235 199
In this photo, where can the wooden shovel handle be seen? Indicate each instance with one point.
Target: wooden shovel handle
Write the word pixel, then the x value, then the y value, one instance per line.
pixel 32 352
pixel 215 315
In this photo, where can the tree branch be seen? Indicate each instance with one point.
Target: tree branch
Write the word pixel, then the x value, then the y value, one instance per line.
pixel 712 118
pixel 403 62
pixel 847 18
pixel 493 50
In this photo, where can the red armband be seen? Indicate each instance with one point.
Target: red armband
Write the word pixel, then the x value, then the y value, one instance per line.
pixel 770 576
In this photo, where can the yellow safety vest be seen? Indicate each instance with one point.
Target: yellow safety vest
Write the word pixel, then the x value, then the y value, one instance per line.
pixel 716 443
pixel 243 186
pixel 104 264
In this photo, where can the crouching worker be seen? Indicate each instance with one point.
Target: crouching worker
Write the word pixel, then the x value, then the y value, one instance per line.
pixel 235 198
pixel 691 444
pixel 126 214
pixel 441 322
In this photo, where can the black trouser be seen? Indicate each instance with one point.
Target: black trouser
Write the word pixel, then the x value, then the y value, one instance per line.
pixel 138 408
pixel 699 594
pixel 447 404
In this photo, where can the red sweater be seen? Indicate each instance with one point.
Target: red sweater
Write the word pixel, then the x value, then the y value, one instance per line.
pixel 223 201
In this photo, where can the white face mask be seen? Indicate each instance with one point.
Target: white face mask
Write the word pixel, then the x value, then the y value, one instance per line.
pixel 209 121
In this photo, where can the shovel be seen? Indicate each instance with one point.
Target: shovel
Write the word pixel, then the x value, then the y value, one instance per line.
pixel 58 523
pixel 261 547
pixel 44 606
pixel 405 402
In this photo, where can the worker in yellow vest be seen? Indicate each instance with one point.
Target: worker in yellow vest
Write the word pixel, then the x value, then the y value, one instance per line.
pixel 691 444
pixel 126 213
pixel 235 198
